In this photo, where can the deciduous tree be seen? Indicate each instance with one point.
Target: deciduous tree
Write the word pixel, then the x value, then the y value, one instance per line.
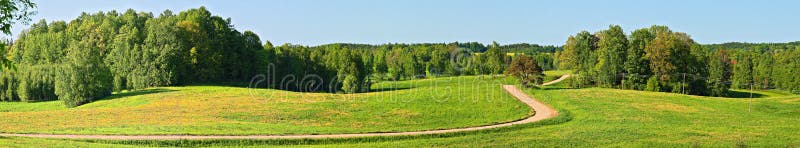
pixel 526 70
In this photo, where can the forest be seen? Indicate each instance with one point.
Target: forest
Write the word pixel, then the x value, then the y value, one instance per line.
pixel 659 59
pixel 96 54
pixel 765 65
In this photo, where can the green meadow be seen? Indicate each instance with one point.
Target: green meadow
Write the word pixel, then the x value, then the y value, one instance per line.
pixel 589 117
pixel 413 105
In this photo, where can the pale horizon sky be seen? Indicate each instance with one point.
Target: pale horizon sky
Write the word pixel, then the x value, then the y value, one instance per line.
pixel 315 22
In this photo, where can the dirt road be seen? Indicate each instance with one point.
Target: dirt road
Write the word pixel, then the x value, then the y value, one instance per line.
pixel 556 80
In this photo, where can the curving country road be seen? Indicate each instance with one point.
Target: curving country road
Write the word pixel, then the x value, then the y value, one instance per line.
pixel 542 111
pixel 556 80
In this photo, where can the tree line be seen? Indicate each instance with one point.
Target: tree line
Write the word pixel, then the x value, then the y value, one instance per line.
pixel 764 65
pixel 658 59
pixel 543 55
pixel 96 54
pixel 352 68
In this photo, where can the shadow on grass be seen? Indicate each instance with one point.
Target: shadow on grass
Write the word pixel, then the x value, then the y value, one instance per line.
pixel 136 93
pixel 389 89
pixel 320 90
pixel 558 88
pixel 227 84
pixel 743 94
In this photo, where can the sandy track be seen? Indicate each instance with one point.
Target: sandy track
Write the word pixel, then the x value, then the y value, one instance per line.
pixel 542 111
pixel 556 80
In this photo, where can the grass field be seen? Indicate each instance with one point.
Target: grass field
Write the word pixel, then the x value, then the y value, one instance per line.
pixel 215 110
pixel 589 117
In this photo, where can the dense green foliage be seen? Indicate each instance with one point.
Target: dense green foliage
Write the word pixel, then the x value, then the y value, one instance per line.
pixel 636 65
pixel 37 83
pixel 658 59
pixel 494 59
pixel 654 59
pixel 9 87
pixel 583 47
pixel 11 12
pixel 87 58
pixel 743 70
pixel 611 50
pixel 84 77
pixel 764 65
pixel 354 67
pixel 719 73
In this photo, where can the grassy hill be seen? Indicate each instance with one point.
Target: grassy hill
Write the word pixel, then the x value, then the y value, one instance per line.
pixel 625 118
pixel 594 117
pixel 217 110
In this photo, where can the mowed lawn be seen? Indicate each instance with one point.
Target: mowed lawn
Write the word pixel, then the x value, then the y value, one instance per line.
pixel 412 105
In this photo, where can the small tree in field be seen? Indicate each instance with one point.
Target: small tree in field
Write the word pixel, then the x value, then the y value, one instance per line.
pixel 526 70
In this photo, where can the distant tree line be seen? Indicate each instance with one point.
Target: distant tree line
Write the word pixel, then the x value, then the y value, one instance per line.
pixel 764 65
pixel 658 59
pixel 351 68
pixel 544 56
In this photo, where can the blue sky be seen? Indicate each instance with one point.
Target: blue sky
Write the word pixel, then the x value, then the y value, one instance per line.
pixel 314 22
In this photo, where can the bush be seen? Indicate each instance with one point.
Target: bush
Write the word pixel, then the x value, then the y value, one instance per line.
pixel 652 85
pixel 350 84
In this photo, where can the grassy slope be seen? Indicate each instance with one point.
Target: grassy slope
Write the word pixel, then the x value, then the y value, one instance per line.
pixel 625 118
pixel 610 117
pixel 203 110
